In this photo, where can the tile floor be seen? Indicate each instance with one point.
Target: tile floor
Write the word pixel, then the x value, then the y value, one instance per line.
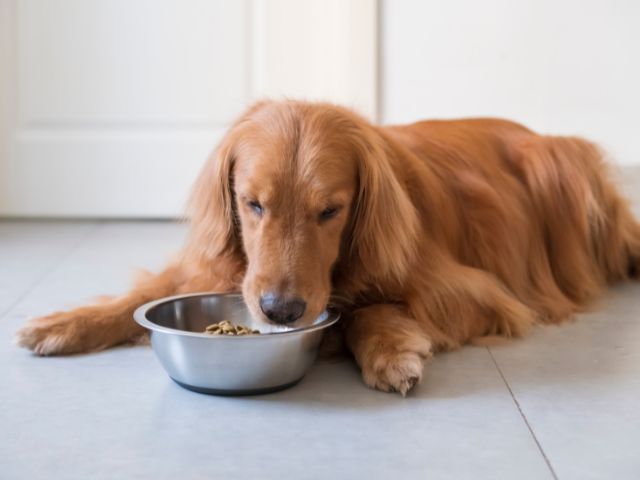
pixel 564 403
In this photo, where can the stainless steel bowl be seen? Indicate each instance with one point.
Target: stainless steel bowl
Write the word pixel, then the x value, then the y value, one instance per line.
pixel 227 365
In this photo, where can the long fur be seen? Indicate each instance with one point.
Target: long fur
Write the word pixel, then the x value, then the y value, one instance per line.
pixel 458 230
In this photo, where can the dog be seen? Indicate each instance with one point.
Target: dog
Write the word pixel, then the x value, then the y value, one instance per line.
pixel 425 236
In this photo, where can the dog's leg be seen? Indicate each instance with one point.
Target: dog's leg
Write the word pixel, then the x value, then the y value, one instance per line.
pixel 99 326
pixel 458 304
pixel 389 347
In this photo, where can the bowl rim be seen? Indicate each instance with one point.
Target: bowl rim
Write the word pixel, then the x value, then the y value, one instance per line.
pixel 140 316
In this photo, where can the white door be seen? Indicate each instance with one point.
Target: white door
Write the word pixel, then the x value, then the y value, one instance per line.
pixel 108 108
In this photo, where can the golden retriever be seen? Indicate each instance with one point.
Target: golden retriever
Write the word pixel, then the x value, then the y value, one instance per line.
pixel 426 236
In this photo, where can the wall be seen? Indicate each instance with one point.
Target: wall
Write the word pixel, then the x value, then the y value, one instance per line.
pixel 570 67
pixel 110 108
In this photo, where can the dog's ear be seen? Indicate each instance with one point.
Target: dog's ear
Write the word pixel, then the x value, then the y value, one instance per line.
pixel 385 224
pixel 211 208
pixel 215 228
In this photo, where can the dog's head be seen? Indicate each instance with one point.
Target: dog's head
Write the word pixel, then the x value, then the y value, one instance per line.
pixel 296 189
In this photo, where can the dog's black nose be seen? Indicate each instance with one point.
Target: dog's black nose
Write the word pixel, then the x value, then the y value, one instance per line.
pixel 281 310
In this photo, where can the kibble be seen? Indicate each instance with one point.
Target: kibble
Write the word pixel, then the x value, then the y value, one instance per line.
pixel 225 327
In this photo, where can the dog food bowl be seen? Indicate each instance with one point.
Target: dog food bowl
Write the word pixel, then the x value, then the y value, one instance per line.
pixel 227 365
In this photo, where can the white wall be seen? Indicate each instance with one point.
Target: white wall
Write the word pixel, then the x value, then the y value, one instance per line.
pixel 559 66
pixel 108 108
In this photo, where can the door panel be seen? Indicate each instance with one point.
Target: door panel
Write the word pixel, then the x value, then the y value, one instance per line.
pixel 120 102
pixel 141 63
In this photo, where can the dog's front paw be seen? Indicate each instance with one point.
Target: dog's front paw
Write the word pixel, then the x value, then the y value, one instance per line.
pixel 394 372
pixel 55 334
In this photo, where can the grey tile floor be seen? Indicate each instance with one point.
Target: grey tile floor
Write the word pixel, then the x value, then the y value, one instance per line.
pixel 563 403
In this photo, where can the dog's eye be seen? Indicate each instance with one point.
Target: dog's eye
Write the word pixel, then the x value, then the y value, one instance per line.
pixel 256 207
pixel 328 213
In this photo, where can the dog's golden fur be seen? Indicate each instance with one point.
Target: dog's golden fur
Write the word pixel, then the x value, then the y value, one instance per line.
pixel 440 233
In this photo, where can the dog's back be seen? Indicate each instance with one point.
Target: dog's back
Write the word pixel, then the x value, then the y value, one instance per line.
pixel 537 211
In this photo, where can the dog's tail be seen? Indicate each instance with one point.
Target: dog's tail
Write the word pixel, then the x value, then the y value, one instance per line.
pixel 591 236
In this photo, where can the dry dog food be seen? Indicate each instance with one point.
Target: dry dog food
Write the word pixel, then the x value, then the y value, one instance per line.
pixel 225 327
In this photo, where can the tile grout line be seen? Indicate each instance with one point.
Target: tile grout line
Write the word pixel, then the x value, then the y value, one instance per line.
pixel 51 269
pixel 524 418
